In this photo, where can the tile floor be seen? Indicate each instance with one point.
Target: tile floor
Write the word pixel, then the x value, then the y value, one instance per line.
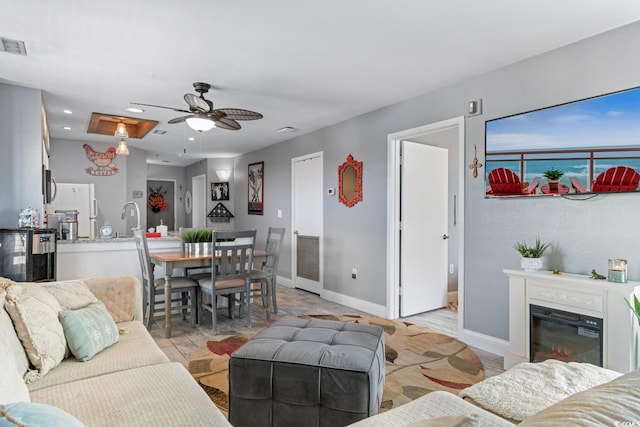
pixel 292 302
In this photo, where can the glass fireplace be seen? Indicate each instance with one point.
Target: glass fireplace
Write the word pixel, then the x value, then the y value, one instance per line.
pixel 565 336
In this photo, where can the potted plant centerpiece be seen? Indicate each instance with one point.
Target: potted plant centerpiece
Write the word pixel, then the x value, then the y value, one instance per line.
pixel 198 241
pixel 553 176
pixel 531 255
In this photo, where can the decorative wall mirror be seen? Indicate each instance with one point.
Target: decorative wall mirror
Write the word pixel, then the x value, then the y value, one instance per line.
pixel 350 182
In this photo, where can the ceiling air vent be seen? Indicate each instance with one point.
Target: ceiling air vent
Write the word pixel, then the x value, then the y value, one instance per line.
pixel 12 46
pixel 159 132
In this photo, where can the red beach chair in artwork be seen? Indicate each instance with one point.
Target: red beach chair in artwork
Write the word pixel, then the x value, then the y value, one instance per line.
pixel 618 178
pixel 505 182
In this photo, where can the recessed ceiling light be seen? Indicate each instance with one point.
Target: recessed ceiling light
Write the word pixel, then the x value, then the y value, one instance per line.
pixel 159 132
pixel 191 138
pixel 66 128
pixel 68 112
pixel 135 110
pixel 286 129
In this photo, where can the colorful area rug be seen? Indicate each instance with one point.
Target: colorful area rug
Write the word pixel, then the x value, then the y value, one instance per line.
pixel 418 361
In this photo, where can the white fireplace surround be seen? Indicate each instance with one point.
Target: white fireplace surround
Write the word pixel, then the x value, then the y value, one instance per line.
pixel 577 294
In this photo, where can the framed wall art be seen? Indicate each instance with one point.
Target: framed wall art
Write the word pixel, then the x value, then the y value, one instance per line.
pixel 219 191
pixel 256 188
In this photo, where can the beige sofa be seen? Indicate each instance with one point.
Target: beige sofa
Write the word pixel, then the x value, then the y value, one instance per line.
pixel 129 383
pixel 614 402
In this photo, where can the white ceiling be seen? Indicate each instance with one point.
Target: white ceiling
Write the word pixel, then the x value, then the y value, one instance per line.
pixel 305 64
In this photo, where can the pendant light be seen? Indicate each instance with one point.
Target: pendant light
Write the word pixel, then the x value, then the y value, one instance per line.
pixel 121 132
pixel 122 148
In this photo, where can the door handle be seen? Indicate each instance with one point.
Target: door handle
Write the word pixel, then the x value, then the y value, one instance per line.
pixel 445 237
pixel 296 232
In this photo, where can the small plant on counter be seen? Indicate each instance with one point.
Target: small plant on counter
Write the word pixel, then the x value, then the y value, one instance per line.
pixel 203 235
pixel 535 251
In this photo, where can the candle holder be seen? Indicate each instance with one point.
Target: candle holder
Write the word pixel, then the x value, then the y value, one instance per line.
pixel 617 271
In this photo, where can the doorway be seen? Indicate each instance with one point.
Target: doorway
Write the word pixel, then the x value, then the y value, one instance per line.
pixel 161 203
pixel 307 222
pixel 198 211
pixel 448 134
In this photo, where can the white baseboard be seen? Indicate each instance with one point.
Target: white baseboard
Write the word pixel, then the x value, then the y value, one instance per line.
pixel 284 281
pixel 484 342
pixel 358 304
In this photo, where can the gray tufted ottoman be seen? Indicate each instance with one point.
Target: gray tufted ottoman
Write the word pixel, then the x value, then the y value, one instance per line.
pixel 307 373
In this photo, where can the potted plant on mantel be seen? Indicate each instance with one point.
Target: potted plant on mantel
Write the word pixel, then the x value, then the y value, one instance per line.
pixel 553 176
pixel 531 255
pixel 198 241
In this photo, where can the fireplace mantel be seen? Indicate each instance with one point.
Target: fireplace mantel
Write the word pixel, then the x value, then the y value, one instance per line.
pixel 578 294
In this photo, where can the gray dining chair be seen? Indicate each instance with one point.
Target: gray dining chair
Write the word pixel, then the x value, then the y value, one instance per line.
pixel 184 291
pixel 266 273
pixel 232 256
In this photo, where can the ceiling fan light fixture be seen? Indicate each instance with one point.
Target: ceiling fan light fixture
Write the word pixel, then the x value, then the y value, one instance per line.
pixel 121 131
pixel 122 149
pixel 201 124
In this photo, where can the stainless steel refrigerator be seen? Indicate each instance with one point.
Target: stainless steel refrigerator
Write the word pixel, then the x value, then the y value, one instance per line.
pixel 80 197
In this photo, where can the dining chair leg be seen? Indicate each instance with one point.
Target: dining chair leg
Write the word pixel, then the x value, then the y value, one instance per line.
pixel 272 291
pixel 264 290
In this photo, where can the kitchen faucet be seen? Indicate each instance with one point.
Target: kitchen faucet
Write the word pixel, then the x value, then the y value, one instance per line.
pixel 124 213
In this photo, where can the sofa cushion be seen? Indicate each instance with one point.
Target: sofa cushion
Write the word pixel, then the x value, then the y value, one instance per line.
pixel 34 313
pixel 615 403
pixel 528 388
pixel 88 330
pixel 71 294
pixel 135 348
pixel 9 336
pixel 36 415
pixel 158 395
pixel 120 294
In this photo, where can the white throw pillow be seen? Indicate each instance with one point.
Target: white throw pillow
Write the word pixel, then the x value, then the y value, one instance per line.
pixel 71 294
pixel 528 388
pixel 34 313
pixel 12 386
pixel 9 336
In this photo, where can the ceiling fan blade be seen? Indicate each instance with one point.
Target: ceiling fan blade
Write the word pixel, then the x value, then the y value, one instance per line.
pixel 197 103
pixel 179 119
pixel 161 106
pixel 226 123
pixel 239 114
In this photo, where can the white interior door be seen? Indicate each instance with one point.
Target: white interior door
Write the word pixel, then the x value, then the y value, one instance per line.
pixel 199 204
pixel 307 222
pixel 423 211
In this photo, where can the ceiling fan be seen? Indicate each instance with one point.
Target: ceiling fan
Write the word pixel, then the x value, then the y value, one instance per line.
pixel 203 117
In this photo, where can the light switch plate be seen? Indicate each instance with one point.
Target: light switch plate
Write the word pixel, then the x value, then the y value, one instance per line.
pixel 137 194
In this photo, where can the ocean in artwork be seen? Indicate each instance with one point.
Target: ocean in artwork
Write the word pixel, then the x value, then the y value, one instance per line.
pixel 571 168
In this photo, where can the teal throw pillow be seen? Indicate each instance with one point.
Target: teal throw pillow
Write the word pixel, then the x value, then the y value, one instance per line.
pixel 88 330
pixel 35 415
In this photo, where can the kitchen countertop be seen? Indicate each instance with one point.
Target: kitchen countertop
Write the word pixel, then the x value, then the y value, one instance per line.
pixel 171 236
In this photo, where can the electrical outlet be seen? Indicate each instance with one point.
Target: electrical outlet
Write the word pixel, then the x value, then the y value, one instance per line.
pixel 354 273
pixel 450 268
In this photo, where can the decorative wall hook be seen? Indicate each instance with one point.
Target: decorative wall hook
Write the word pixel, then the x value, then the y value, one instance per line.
pixel 475 165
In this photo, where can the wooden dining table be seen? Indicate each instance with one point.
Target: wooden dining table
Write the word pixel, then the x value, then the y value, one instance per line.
pixel 182 259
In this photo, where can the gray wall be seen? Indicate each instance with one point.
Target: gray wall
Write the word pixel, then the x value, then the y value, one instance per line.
pixel 171 173
pixel 68 162
pixel 21 159
pixel 209 167
pixel 584 233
